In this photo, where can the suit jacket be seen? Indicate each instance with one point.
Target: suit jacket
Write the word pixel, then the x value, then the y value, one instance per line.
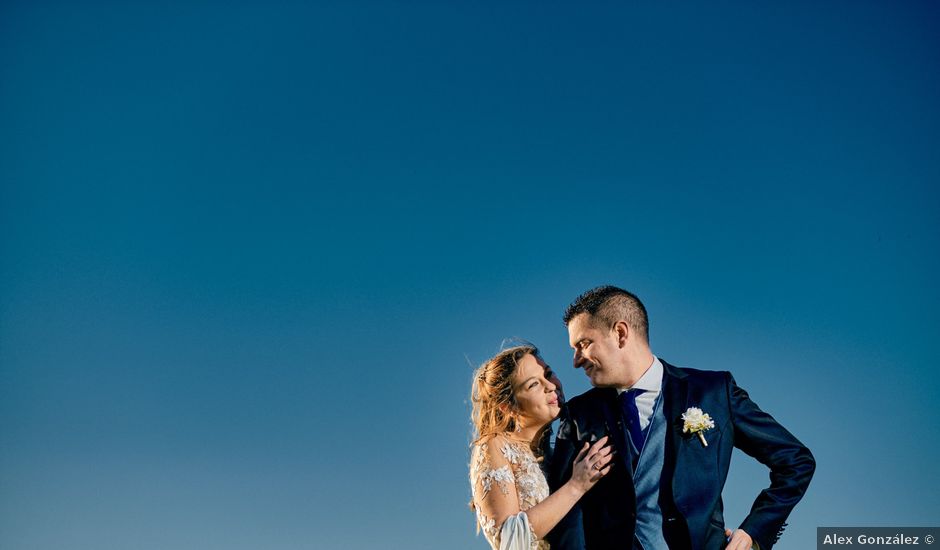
pixel 693 474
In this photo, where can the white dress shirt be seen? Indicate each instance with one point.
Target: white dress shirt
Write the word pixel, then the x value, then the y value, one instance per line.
pixel 652 384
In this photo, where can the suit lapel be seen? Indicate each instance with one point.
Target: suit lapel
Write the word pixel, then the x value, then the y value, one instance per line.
pixel 615 428
pixel 675 397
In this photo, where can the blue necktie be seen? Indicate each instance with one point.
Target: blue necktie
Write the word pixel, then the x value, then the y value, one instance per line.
pixel 631 416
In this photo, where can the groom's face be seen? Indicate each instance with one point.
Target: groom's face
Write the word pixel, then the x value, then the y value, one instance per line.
pixel 596 350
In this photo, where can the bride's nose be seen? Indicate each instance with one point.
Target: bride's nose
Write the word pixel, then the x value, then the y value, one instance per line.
pixel 549 387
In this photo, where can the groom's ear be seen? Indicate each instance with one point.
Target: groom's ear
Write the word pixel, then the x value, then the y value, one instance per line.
pixel 622 330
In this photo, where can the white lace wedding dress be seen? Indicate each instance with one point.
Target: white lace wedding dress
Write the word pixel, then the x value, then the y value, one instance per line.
pixel 504 465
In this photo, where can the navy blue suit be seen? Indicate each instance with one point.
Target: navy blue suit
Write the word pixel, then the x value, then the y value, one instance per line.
pixel 693 475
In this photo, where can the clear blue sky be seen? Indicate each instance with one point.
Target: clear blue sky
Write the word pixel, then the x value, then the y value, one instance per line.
pixel 249 251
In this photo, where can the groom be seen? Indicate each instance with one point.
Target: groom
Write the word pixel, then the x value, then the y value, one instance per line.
pixel 665 489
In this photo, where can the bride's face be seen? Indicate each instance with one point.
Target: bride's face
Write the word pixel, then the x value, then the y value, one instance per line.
pixel 536 399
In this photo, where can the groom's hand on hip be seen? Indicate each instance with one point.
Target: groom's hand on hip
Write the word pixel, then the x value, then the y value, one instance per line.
pixel 738 540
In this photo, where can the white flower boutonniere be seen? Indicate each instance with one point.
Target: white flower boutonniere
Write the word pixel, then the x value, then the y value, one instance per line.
pixel 696 422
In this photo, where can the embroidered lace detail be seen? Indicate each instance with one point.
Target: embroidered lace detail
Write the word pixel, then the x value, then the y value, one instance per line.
pixel 502 476
pixel 481 471
pixel 522 473
pixel 488 526
pixel 512 453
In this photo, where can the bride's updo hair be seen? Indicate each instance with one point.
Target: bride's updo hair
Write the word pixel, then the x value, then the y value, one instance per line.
pixel 491 392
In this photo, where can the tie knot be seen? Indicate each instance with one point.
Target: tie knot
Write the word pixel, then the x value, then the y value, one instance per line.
pixel 631 394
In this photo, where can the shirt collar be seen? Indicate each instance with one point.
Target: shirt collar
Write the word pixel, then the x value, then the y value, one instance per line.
pixel 652 379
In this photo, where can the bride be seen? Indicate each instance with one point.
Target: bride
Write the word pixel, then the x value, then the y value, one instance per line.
pixel 513 404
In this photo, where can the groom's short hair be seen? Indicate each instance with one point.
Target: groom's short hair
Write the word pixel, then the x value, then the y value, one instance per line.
pixel 608 304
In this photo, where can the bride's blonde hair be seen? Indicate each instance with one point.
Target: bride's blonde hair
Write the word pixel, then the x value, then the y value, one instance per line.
pixel 491 392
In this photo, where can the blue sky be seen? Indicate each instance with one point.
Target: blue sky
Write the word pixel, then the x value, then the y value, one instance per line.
pixel 250 253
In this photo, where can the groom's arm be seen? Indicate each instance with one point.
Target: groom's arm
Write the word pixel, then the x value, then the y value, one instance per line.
pixel 568 534
pixel 791 466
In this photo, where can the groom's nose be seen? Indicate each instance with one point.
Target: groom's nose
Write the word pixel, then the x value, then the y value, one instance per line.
pixel 578 359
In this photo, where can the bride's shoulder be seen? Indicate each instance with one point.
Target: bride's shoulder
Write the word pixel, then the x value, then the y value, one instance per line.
pixel 483 445
pixel 497 440
pixel 498 446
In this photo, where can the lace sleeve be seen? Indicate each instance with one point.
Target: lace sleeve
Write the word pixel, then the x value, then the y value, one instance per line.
pixel 494 491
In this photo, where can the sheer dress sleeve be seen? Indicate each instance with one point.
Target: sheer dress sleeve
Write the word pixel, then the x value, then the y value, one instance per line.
pixel 496 498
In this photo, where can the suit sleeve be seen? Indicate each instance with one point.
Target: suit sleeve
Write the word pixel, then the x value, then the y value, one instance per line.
pixel 568 534
pixel 791 466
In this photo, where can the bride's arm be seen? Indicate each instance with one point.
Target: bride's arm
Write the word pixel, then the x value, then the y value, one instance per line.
pixel 590 465
pixel 496 497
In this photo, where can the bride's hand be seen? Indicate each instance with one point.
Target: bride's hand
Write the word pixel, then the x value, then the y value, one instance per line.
pixel 591 464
